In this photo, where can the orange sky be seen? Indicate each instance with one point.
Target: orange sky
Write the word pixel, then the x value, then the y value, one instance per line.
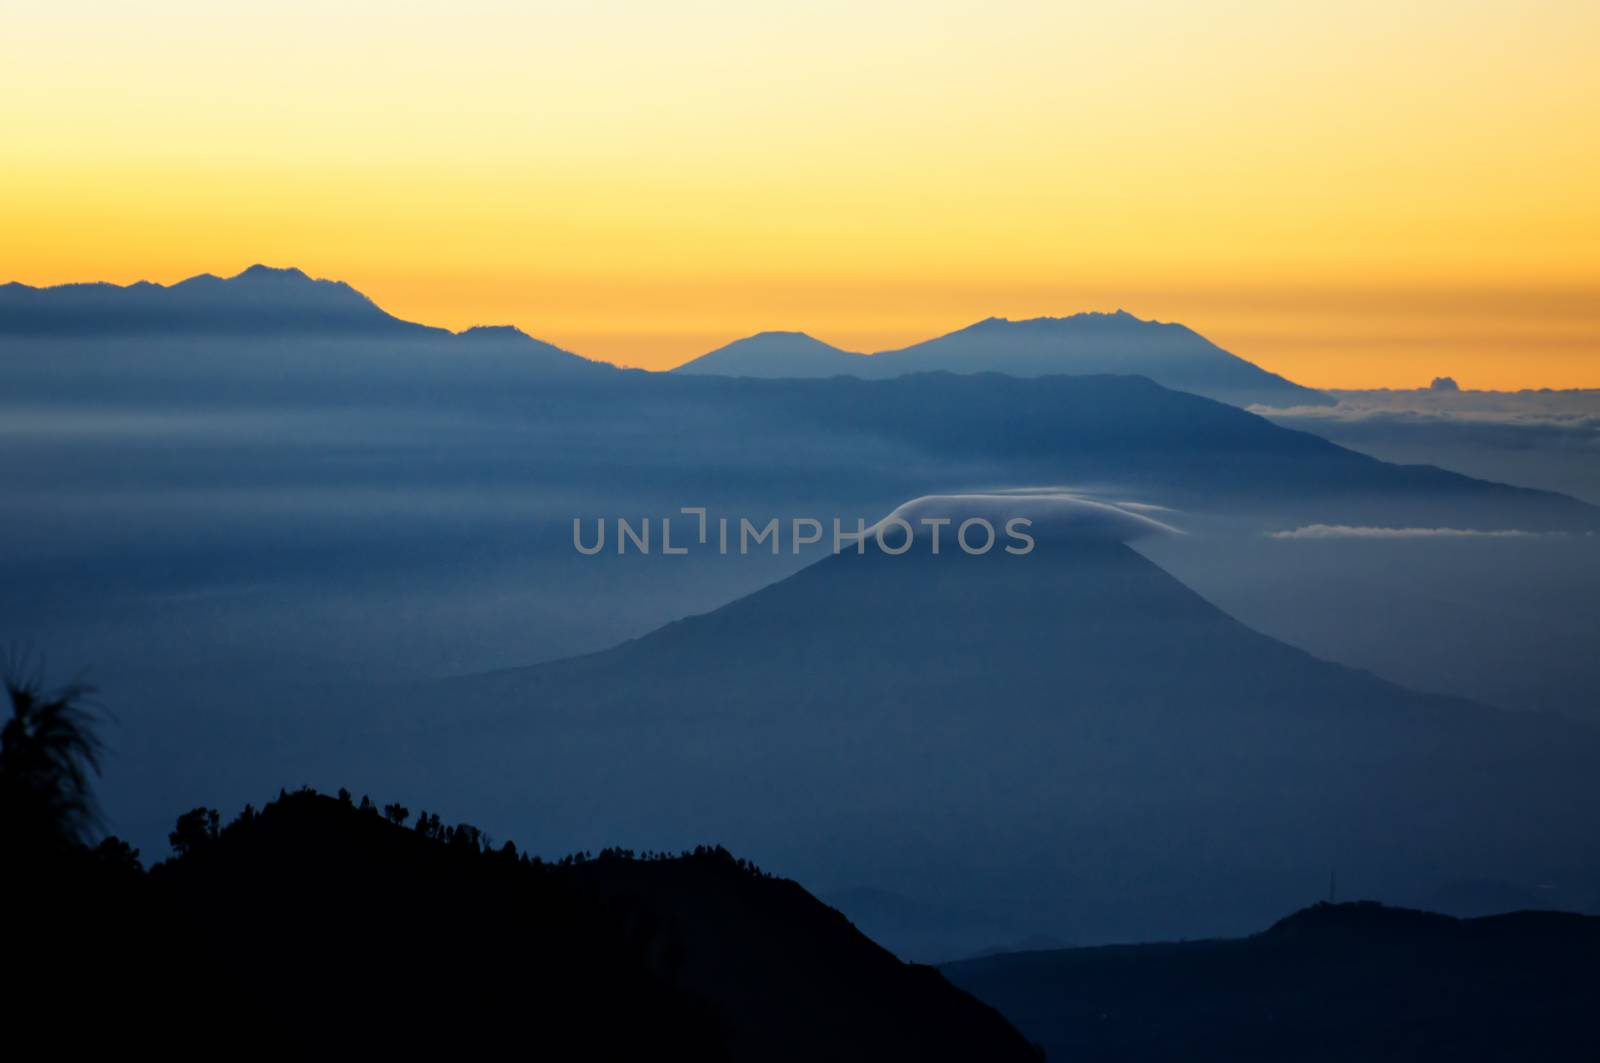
pixel 1358 194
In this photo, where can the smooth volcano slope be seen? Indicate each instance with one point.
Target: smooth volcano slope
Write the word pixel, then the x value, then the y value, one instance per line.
pixel 776 354
pixel 1071 738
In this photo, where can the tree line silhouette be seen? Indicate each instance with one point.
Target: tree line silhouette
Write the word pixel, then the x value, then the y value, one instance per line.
pixel 325 923
pixel 50 753
pixel 314 913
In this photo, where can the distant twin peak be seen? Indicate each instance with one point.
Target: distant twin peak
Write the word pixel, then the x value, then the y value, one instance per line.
pixel 260 272
pixel 493 332
pixel 1086 315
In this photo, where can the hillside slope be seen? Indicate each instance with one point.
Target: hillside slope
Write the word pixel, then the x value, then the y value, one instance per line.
pixel 1329 983
pixel 317 922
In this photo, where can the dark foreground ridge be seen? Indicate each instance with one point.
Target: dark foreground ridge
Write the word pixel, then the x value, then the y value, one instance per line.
pixel 1335 982
pixel 317 921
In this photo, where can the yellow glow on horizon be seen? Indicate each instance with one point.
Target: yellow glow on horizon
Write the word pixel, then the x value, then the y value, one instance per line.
pixel 1358 194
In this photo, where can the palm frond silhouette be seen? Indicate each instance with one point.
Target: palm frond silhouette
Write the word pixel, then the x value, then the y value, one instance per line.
pixel 49 754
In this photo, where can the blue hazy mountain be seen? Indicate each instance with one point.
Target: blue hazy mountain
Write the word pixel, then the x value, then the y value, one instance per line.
pixel 259 305
pixel 1332 982
pixel 260 300
pixel 1170 354
pixel 276 335
pixel 777 354
pixel 199 510
pixel 1164 445
pixel 1071 738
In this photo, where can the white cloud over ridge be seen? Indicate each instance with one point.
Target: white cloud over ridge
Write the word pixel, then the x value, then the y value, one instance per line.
pixel 1054 515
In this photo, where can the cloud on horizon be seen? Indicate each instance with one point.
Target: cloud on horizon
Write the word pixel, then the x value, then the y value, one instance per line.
pixel 1542 439
pixel 1573 411
pixel 1354 531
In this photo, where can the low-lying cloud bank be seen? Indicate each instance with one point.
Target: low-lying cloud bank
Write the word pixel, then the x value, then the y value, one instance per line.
pixel 1353 531
pixel 1576 411
pixel 1548 440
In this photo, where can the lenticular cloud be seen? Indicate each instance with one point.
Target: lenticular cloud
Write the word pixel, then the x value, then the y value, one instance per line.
pixel 1053 515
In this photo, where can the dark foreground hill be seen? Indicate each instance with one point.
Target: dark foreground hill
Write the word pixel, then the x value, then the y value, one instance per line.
pixel 1330 983
pixel 790 977
pixel 317 923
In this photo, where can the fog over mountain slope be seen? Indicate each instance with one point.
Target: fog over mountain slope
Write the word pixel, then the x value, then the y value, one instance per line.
pixel 1542 438
pixel 198 518
pixel 1070 738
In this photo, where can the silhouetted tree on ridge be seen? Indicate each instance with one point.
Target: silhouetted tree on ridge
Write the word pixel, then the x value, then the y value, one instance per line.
pixel 195 830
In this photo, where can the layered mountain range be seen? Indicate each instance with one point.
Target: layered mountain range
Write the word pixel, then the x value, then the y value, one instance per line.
pixel 1070 743
pixel 263 302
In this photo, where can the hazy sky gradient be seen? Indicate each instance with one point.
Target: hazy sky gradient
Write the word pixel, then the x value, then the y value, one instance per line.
pixel 1353 194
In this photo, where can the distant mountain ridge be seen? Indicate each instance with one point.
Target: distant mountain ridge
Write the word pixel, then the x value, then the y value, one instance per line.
pixel 267 302
pixel 1089 343
pixel 278 335
pixel 261 299
pixel 259 303
pixel 1331 982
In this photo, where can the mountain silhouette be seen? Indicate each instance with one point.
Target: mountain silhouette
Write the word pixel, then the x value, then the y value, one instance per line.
pixel 317 920
pixel 277 338
pixel 1332 982
pixel 1090 343
pixel 259 301
pixel 791 978
pixel 1071 734
pixel 776 354
pixel 261 304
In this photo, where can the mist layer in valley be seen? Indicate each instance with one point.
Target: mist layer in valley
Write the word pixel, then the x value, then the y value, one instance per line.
pixel 273 547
